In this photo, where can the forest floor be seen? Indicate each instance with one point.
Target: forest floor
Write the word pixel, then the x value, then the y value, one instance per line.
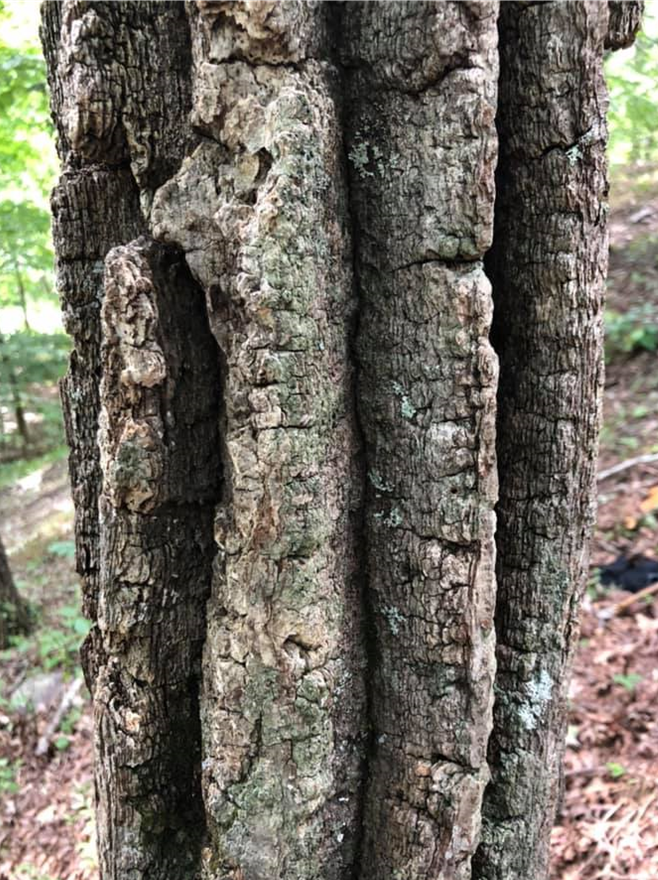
pixel 608 824
pixel 46 825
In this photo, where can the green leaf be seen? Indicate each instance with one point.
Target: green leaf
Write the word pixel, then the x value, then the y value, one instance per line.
pixel 615 770
pixel 629 682
pixel 62 549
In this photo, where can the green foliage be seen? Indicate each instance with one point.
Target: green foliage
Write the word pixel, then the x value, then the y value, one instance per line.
pixel 24 111
pixel 633 331
pixel 26 257
pixel 54 647
pixel 70 721
pixel 62 549
pixel 30 366
pixel 37 358
pixel 628 682
pixel 8 771
pixel 13 471
pixel 27 167
pixel 615 770
pixel 633 115
pixel 27 172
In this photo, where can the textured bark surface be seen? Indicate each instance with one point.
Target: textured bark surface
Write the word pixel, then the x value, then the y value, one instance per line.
pixel 281 406
pixel 159 457
pixel 259 209
pixel 144 507
pixel 625 18
pixel 547 266
pixel 421 82
pixel 14 616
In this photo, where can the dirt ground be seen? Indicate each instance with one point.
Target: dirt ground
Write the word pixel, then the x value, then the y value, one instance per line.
pixel 46 825
pixel 608 824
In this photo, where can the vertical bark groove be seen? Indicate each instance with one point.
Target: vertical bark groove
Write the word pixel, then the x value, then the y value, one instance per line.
pixel 547 266
pixel 159 462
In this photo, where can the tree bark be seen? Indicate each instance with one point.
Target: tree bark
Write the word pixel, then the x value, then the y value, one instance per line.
pixel 625 18
pixel 271 231
pixel 260 209
pixel 421 83
pixel 14 614
pixel 547 265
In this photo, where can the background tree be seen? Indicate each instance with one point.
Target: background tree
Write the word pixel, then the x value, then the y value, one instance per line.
pixel 271 228
pixel 14 614
pixel 32 352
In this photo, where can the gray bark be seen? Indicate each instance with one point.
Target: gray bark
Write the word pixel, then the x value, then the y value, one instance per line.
pixel 421 83
pixel 271 228
pixel 547 265
pixel 259 209
pixel 625 18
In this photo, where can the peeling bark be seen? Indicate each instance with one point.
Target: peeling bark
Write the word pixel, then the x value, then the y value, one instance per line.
pixel 547 264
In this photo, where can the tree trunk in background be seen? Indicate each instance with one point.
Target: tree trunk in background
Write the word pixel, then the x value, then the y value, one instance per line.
pixel 281 405
pixel 14 614
pixel 16 397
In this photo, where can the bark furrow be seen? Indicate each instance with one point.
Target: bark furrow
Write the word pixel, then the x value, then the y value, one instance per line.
pixel 159 455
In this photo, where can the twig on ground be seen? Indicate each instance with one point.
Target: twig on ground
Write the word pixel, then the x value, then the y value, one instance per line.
pixel 625 465
pixel 622 606
pixel 66 702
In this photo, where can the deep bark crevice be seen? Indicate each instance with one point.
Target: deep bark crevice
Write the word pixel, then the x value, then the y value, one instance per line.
pixel 368 628
pixel 161 478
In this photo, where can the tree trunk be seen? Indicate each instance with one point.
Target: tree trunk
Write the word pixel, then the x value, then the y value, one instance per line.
pixel 21 294
pixel 14 614
pixel 625 18
pixel 271 228
pixel 16 398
